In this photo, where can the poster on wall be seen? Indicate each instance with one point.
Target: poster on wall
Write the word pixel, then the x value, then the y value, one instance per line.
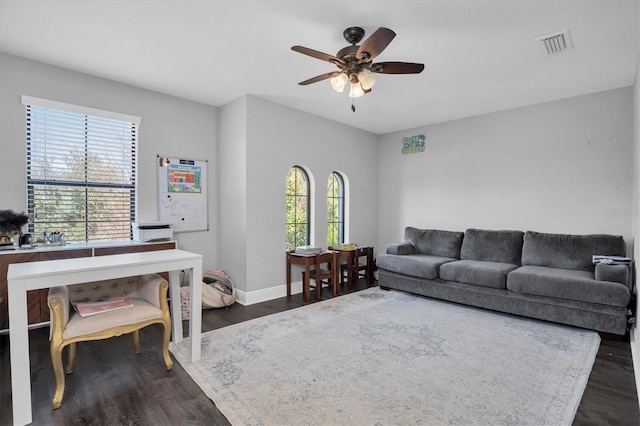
pixel 413 144
pixel 182 193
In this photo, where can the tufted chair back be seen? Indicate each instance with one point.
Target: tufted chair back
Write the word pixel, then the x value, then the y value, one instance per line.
pixel 87 292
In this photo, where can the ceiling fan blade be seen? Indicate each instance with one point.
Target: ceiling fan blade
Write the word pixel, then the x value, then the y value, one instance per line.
pixel 318 55
pixel 375 44
pixel 397 68
pixel 319 78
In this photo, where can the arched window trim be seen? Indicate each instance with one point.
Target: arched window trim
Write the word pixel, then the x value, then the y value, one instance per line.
pixel 342 216
pixel 308 177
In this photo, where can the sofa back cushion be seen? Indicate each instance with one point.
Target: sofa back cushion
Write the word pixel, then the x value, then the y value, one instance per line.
pixel 492 246
pixel 435 242
pixel 569 251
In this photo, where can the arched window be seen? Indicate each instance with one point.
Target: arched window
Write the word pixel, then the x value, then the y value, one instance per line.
pixel 297 205
pixel 335 209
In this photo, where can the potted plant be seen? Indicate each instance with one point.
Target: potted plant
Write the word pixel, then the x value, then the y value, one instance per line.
pixel 11 224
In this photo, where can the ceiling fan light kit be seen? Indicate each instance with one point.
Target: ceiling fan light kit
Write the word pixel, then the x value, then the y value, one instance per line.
pixel 339 82
pixel 356 62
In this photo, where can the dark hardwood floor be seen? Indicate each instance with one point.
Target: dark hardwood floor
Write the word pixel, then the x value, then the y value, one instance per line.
pixel 113 386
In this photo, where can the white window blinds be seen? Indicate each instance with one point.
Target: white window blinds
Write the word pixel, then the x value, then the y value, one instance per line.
pixel 81 173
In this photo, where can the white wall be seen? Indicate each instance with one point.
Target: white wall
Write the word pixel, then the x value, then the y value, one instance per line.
pixel 232 181
pixel 170 126
pixel 635 337
pixel 562 166
pixel 277 138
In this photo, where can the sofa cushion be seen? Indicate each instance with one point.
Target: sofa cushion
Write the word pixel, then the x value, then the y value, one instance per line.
pixel 569 251
pixel 568 284
pixel 492 246
pixel 435 242
pixel 417 265
pixel 480 273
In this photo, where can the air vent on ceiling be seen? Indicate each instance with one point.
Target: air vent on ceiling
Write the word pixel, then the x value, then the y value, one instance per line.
pixel 557 42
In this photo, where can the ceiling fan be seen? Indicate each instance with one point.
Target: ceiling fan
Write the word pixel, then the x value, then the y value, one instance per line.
pixel 356 62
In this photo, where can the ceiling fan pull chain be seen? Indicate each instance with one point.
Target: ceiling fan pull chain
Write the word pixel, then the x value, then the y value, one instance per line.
pixel 353 107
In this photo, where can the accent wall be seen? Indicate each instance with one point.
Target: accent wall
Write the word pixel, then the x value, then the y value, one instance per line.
pixel 561 167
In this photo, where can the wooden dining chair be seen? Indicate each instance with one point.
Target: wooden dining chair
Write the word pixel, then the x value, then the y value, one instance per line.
pixel 325 271
pixel 356 267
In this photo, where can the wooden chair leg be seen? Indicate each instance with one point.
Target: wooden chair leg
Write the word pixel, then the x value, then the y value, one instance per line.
pixel 56 360
pixel 318 289
pixel 71 358
pixel 136 341
pixel 165 345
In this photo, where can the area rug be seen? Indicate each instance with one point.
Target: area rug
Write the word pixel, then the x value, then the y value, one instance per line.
pixel 379 357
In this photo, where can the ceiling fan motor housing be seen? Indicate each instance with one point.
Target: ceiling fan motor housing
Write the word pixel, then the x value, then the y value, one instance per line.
pixel 353 35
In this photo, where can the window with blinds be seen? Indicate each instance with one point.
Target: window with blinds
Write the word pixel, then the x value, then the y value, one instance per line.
pixel 81 174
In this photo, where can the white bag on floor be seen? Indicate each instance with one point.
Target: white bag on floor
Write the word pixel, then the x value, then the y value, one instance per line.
pixel 217 291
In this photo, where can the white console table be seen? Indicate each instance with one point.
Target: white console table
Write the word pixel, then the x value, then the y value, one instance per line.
pixel 22 277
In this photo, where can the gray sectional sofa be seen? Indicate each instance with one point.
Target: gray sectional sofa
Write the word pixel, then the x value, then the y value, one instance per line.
pixel 545 276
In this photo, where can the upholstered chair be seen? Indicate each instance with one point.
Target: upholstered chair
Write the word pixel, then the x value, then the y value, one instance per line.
pixel 148 294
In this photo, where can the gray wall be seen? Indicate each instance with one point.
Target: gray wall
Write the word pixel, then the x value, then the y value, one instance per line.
pixel 232 179
pixel 259 143
pixel 170 126
pixel 275 139
pixel 563 166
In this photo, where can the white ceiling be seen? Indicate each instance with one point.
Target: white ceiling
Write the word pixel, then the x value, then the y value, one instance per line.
pixel 480 56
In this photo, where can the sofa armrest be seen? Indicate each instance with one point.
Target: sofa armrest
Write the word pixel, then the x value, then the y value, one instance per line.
pixel 401 248
pixel 613 273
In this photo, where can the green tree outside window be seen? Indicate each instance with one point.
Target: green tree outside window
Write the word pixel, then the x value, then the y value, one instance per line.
pixel 297 208
pixel 335 209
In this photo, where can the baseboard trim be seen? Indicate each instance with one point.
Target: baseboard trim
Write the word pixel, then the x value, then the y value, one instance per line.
pixel 264 295
pixel 634 342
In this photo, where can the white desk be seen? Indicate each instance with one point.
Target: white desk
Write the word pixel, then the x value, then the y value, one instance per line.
pixel 22 277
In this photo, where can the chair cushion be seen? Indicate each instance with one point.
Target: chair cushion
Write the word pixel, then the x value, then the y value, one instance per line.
pixel 567 284
pixel 416 265
pixel 484 274
pixel 139 312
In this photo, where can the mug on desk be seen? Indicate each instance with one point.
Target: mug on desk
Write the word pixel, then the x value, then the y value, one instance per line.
pixel 25 240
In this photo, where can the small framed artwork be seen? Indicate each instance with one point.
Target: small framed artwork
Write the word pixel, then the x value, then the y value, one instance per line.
pixel 413 144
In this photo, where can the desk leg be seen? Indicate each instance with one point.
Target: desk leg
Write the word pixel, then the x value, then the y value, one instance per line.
pixel 195 322
pixel 176 309
pixel 19 350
